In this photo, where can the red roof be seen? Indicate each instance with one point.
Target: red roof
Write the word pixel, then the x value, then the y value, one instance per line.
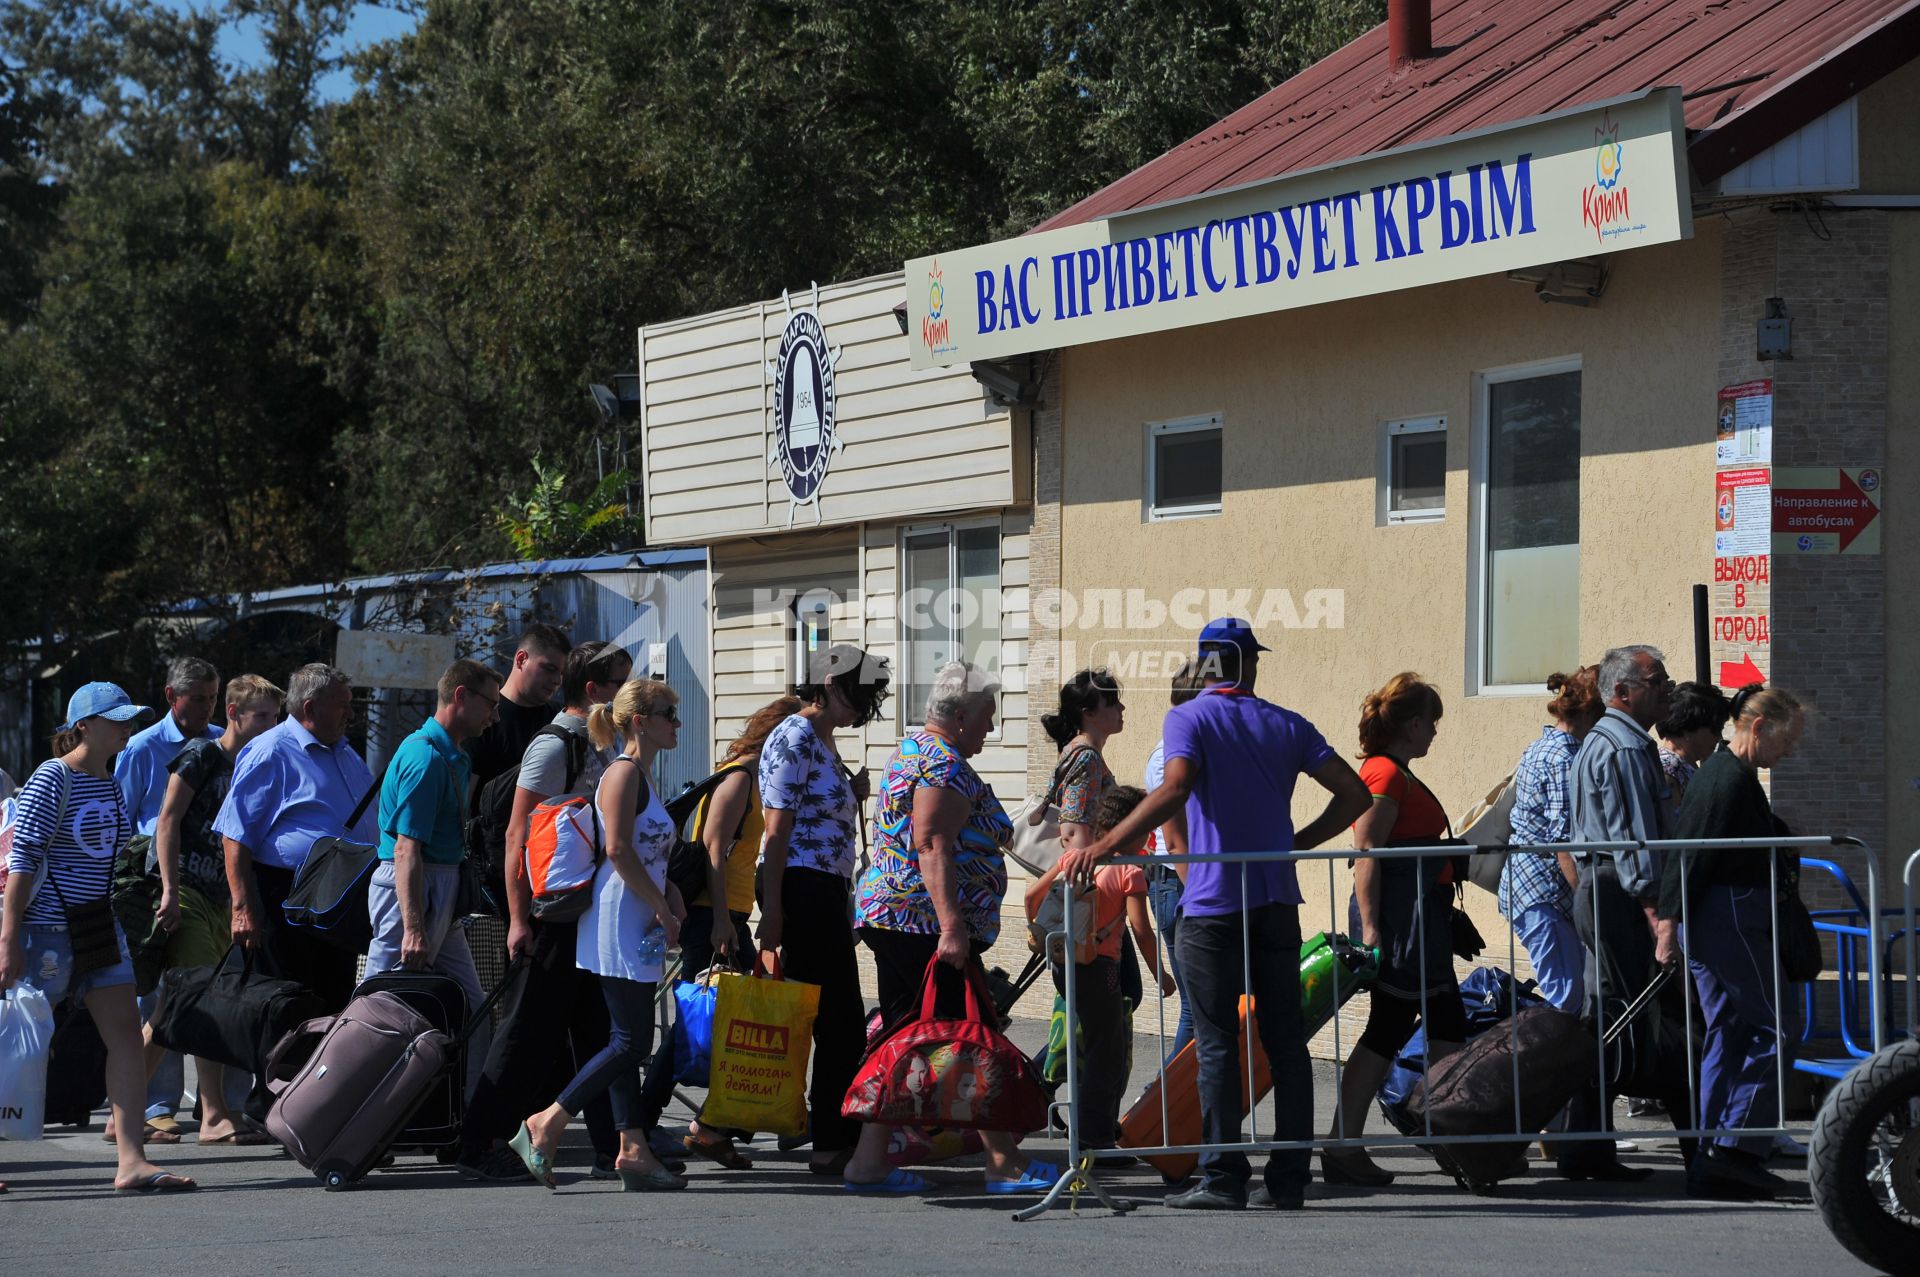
pixel 1753 71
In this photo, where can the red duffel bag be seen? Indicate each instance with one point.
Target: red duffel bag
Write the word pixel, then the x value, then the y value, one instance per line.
pixel 953 1073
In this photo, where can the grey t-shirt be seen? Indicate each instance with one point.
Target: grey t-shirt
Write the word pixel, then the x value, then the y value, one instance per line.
pixel 543 768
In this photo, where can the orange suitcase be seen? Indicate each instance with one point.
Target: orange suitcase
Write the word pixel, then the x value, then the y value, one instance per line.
pixel 1142 1126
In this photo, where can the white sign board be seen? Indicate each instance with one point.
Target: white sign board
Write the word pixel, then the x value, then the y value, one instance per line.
pixel 374 658
pixel 1558 187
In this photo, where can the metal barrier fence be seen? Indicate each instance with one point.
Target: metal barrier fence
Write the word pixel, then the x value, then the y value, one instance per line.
pixel 1080 1173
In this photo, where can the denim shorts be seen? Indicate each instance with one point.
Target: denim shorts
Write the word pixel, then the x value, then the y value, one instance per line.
pixel 50 965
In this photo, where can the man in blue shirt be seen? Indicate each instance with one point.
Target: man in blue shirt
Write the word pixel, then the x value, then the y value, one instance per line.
pixel 294 784
pixel 141 768
pixel 411 899
pixel 1232 760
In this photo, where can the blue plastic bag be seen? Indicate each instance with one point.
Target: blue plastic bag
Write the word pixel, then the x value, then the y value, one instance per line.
pixel 693 1031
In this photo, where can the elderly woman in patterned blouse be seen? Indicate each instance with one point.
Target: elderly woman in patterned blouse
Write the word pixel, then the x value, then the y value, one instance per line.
pixel 933 895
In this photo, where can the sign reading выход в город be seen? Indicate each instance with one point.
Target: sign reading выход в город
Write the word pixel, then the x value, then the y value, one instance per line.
pixel 1574 184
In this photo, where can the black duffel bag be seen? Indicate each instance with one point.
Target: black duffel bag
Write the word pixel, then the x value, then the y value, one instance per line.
pixel 329 895
pixel 230 1012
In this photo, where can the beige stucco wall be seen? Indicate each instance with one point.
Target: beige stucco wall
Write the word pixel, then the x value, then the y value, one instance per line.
pixel 1302 395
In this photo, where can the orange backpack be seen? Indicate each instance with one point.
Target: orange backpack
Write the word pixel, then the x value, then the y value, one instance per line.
pixel 563 852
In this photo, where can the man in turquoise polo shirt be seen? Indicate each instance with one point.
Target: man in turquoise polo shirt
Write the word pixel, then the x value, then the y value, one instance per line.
pixel 422 822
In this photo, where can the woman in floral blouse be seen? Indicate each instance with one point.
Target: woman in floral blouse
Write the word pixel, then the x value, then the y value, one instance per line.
pixel 812 809
pixel 933 894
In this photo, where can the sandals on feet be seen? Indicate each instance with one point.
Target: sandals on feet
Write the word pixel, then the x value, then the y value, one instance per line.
pixel 1037 1178
pixel 538 1164
pixel 898 1183
pixel 158 1182
pixel 720 1151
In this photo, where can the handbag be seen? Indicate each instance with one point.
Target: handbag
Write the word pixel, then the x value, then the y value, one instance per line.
pixel 1489 827
pixel 232 1014
pixel 1467 940
pixel 329 895
pixel 1036 825
pixel 1801 957
pixel 1050 917
pixel 960 1074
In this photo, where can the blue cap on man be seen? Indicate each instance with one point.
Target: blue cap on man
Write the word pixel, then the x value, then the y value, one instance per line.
pixel 100 700
pixel 1233 630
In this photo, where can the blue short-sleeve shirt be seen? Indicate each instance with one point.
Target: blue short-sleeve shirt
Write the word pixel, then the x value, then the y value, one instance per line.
pixel 423 796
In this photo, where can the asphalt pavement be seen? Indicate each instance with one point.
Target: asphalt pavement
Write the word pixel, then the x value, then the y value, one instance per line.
pixel 258 1211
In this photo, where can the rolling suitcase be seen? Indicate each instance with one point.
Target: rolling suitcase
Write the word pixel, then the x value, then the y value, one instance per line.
pixel 442 1003
pixel 1321 959
pixel 346 1087
pixel 1547 1053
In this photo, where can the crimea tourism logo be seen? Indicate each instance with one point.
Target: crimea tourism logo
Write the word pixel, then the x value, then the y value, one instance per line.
pixel 936 330
pixel 1603 204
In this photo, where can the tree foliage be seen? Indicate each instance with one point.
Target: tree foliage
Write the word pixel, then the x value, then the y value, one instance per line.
pixel 250 337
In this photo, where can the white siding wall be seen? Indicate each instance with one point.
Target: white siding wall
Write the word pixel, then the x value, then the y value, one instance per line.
pixel 913 441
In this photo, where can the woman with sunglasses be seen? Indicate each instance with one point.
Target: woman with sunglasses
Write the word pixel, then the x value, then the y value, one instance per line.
pixel 633 920
pixel 812 805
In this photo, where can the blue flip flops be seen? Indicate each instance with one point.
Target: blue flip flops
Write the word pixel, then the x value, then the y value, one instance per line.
pixel 897 1183
pixel 1037 1178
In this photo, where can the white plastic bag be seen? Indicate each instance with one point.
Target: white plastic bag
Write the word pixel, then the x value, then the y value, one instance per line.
pixel 26 1040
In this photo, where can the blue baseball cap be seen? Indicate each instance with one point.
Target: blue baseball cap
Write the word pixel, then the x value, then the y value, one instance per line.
pixel 1233 630
pixel 101 700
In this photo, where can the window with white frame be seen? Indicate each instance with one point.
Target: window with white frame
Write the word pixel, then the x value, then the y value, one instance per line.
pixel 1413 470
pixel 1527 574
pixel 1183 467
pixel 949 607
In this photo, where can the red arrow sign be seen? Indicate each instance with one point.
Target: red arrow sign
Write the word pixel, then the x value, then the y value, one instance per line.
pixel 1845 510
pixel 1741 673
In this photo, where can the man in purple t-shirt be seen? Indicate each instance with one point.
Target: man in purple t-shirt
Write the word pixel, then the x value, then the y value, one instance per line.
pixel 1232 759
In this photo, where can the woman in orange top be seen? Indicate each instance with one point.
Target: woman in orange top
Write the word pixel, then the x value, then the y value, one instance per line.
pixel 1397 725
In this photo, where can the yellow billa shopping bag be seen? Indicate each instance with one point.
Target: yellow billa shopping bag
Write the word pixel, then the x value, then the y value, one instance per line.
pixel 762 1030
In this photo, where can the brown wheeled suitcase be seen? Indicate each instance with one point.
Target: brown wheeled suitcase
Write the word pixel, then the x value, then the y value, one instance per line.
pixel 365 1073
pixel 373 1065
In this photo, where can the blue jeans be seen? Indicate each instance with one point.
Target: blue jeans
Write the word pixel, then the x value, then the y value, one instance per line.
pixel 50 965
pixel 1164 890
pixel 1210 954
pixel 1559 960
pixel 614 1072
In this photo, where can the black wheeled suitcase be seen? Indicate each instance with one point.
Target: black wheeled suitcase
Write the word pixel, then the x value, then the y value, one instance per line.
pixel 442 1003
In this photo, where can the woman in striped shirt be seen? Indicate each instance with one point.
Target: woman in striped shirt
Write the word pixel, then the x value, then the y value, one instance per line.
pixel 69 821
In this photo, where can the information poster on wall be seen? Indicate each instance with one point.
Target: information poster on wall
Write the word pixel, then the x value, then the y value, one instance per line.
pixel 1826 510
pixel 1742 513
pixel 1740 645
pixel 1743 426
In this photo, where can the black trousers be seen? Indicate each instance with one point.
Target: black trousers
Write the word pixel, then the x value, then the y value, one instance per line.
pixel 1620 965
pixel 696 955
pixel 817 948
pixel 296 954
pixel 1106 1043
pixel 553 1021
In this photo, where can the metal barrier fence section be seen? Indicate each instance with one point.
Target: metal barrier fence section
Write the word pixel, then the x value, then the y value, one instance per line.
pixel 1862 925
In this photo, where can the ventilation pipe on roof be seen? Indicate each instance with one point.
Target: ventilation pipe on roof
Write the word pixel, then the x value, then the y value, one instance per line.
pixel 1409 30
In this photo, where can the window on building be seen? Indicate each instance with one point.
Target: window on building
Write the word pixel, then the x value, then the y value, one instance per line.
pixel 1183 468
pixel 1528 595
pixel 1413 470
pixel 949 607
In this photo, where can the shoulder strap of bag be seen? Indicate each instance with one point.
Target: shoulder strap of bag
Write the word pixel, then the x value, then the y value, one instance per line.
pixel 361 809
pixel 1065 765
pixel 59 819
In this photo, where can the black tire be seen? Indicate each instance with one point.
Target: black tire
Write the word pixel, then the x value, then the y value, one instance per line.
pixel 1864 1157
